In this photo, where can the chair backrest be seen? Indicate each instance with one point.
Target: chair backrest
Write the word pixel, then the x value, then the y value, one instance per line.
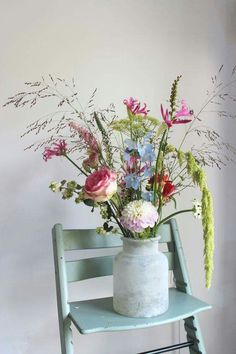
pixel 70 271
pixel 81 269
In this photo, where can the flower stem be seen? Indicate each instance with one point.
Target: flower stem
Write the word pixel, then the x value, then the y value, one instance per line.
pixel 174 214
pixel 156 170
pixel 68 158
pixel 116 219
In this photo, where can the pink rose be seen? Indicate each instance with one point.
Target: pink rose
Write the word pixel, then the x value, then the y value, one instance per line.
pixel 100 185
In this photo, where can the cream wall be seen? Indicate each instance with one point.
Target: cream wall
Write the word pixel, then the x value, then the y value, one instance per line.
pixel 123 48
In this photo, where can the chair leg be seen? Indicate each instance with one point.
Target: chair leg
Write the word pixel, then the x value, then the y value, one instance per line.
pixel 67 346
pixel 193 333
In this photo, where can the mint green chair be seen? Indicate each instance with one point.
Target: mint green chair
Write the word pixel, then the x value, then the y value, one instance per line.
pixel 97 315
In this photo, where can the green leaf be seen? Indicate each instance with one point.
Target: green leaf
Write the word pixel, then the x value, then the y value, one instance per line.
pixel 175 203
pixel 89 202
pixel 160 130
pixel 105 226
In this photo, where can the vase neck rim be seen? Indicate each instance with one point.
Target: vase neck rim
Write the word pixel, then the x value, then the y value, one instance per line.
pixel 146 240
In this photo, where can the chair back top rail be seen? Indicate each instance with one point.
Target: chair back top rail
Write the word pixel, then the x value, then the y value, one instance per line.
pixel 89 239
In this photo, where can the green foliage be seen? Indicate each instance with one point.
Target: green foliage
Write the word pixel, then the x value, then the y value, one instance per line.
pixel 89 202
pixel 146 234
pixel 106 230
pixel 139 125
pixel 162 128
pixel 169 148
pixel 67 194
pixel 180 157
pixel 105 211
pixel 199 178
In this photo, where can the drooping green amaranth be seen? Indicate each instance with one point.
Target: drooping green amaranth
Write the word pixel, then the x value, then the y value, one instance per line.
pixel 198 176
pixel 208 232
pixel 180 157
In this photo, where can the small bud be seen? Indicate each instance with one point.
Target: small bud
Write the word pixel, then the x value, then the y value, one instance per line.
pixel 55 186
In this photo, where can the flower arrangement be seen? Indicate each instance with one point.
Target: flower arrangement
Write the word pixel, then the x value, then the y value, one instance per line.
pixel 130 169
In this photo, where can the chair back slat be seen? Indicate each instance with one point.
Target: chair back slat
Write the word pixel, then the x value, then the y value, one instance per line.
pixel 89 239
pixel 89 268
pixel 97 267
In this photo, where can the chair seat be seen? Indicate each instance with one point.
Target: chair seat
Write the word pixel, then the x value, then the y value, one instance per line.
pixel 97 315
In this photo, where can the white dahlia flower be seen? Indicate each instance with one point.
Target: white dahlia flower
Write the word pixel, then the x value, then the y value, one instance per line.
pixel 138 215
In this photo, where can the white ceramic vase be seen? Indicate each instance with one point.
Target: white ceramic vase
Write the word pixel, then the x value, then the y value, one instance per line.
pixel 140 279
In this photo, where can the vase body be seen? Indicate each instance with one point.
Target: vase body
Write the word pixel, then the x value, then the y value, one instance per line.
pixel 140 279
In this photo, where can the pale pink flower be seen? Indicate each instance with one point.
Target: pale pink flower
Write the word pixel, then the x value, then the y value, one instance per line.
pixel 58 149
pixel 101 185
pixel 135 106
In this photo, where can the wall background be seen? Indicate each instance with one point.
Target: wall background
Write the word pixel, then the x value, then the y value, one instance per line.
pixel 123 48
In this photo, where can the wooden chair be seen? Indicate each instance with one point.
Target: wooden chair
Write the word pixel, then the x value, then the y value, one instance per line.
pixel 97 315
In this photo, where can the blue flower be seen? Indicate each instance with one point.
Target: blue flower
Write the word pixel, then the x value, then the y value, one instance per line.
pixel 132 181
pixel 148 171
pixel 146 152
pixel 148 196
pixel 147 137
pixel 127 155
pixel 131 147
pixel 130 144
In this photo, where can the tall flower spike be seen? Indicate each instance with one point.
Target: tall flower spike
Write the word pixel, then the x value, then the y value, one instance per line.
pixel 88 138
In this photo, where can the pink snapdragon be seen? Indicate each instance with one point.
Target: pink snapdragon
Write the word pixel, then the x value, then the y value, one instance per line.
pixel 134 106
pixel 58 149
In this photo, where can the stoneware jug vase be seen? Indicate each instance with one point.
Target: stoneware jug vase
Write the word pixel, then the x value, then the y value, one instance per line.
pixel 140 279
